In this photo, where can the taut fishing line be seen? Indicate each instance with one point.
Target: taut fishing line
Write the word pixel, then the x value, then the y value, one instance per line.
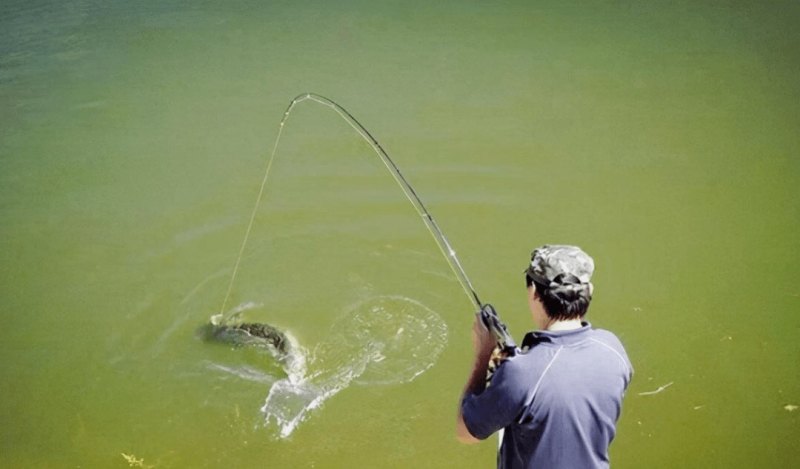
pixel 411 195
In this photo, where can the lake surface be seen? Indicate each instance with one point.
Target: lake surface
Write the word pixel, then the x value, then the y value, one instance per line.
pixel 134 136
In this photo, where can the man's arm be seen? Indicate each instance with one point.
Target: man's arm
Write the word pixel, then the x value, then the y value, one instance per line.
pixel 483 343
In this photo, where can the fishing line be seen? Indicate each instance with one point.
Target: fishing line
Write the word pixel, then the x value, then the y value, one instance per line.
pixel 411 195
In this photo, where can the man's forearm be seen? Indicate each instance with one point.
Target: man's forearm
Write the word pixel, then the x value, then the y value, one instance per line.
pixel 476 384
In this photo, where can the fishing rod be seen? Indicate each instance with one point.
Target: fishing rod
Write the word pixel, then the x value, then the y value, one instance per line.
pixel 488 314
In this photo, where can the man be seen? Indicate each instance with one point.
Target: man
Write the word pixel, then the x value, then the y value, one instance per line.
pixel 559 397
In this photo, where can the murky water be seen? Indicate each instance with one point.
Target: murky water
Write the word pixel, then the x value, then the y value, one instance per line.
pixel 133 138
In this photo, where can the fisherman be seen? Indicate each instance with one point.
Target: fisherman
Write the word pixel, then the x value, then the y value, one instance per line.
pixel 558 398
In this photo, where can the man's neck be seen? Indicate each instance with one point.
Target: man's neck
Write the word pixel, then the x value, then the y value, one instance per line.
pixel 567 325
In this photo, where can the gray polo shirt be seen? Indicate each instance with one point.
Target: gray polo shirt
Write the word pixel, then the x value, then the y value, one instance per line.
pixel 558 400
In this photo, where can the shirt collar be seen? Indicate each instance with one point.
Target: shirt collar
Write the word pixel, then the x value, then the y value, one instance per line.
pixel 569 337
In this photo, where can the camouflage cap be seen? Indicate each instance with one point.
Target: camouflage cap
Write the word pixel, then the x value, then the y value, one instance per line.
pixel 556 265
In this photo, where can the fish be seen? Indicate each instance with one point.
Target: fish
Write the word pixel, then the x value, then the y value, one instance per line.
pixel 234 332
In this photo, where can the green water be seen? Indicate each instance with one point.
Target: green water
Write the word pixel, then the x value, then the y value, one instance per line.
pixel 662 138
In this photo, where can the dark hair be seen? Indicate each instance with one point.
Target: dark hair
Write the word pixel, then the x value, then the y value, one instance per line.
pixel 561 303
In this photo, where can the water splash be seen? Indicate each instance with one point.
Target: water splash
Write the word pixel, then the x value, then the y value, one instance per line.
pixel 379 341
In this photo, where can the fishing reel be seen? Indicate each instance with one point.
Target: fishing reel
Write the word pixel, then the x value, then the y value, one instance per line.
pixel 491 320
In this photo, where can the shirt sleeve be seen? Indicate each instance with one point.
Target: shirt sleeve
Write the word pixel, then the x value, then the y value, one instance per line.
pixel 498 405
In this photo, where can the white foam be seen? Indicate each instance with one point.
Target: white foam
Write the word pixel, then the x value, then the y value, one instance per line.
pixel 288 403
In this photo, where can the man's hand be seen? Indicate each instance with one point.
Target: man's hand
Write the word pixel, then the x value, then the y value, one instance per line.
pixel 483 341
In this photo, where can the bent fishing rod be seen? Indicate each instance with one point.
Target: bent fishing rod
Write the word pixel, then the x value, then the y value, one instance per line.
pixel 488 314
